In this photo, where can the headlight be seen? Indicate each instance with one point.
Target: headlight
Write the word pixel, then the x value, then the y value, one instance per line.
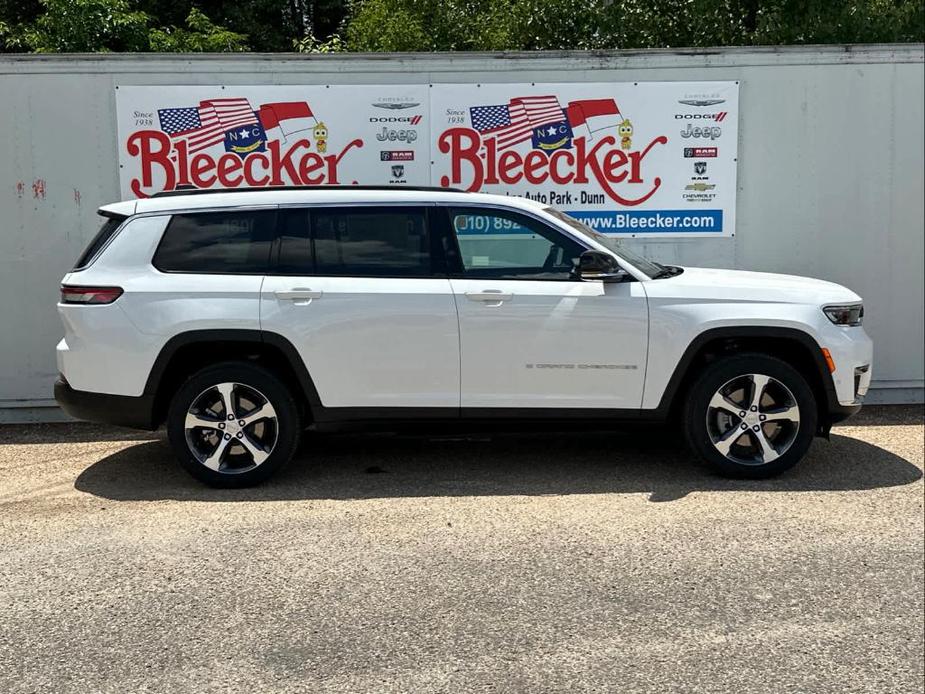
pixel 849 314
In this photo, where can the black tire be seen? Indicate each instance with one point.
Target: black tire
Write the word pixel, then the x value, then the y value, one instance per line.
pixel 788 440
pixel 252 385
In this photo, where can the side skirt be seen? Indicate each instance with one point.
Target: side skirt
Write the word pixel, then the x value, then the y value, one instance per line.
pixel 449 419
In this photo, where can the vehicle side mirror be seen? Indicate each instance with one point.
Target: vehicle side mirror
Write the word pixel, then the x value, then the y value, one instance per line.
pixel 601 267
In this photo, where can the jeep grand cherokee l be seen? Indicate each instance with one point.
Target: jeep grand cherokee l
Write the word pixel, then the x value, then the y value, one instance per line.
pixel 239 318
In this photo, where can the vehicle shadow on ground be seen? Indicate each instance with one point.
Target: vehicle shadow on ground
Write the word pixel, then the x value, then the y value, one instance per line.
pixel 367 467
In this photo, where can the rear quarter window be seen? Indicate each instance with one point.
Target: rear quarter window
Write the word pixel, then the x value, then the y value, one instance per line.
pixel 217 243
pixel 110 225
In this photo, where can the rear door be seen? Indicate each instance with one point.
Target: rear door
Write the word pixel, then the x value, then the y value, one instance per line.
pixel 532 335
pixel 363 295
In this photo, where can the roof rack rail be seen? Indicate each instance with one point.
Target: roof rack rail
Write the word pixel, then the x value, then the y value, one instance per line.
pixel 208 191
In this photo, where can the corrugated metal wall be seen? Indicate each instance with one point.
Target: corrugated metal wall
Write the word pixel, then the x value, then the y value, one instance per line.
pixel 830 172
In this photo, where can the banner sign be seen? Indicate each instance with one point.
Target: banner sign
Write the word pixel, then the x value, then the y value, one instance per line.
pixel 628 159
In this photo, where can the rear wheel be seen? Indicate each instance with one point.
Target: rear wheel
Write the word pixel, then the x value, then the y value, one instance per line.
pixel 233 425
pixel 750 415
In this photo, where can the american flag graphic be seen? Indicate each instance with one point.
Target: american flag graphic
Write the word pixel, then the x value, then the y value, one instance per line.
pixel 513 123
pixel 205 125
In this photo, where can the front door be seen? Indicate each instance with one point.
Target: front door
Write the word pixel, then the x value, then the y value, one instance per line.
pixel 532 335
pixel 362 294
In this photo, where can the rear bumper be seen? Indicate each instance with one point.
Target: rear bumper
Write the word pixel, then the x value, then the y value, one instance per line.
pixel 121 410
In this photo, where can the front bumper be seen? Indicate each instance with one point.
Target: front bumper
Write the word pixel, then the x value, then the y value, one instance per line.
pixel 840 413
pixel 852 351
pixel 121 410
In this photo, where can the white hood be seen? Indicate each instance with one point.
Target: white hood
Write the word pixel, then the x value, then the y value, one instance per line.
pixel 739 285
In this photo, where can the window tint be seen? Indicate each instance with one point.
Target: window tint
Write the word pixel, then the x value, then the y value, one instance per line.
pixel 371 242
pixel 295 244
pixel 102 237
pixel 505 245
pixel 217 242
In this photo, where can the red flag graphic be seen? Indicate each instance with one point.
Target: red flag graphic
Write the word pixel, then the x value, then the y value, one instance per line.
pixel 271 115
pixel 580 112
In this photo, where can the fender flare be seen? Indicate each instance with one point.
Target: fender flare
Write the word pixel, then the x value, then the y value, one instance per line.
pixel 732 332
pixel 243 336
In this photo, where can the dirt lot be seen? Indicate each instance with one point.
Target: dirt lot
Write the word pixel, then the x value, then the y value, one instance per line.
pixel 583 562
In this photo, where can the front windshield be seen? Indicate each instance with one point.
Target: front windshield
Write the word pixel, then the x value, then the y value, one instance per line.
pixel 647 267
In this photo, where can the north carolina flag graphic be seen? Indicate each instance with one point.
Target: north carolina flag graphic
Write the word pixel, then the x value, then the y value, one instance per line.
pixel 593 114
pixel 289 117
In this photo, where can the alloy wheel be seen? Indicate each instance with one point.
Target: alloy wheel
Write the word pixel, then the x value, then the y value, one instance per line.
pixel 231 428
pixel 753 419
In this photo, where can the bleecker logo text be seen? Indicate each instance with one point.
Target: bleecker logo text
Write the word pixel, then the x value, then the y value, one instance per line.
pixel 274 167
pixel 474 163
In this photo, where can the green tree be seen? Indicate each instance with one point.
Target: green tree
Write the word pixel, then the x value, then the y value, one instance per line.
pixel 323 26
pixel 199 36
pixel 429 25
pixel 15 15
pixel 87 26
pixel 850 21
pixel 310 44
pixel 389 25
pixel 270 25
pixel 70 26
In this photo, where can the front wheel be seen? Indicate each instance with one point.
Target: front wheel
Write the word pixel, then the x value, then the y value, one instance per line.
pixel 233 425
pixel 750 415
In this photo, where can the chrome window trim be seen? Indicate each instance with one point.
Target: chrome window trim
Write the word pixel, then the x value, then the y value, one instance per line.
pixel 587 244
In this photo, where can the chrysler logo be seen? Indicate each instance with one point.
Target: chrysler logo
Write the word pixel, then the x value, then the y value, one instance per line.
pixel 701 102
pixel 397 105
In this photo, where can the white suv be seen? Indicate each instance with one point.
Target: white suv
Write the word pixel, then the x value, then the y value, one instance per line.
pixel 239 318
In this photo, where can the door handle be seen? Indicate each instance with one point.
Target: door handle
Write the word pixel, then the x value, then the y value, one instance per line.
pixel 493 296
pixel 298 294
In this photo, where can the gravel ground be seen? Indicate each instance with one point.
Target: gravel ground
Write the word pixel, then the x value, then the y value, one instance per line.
pixel 582 562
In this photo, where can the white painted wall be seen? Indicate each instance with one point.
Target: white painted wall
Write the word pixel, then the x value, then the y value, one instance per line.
pixel 831 172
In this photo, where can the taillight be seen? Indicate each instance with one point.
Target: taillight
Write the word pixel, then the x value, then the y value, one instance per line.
pixel 89 295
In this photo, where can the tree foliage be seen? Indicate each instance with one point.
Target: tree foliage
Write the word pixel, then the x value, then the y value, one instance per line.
pixel 427 25
pixel 69 26
pixel 327 26
pixel 199 36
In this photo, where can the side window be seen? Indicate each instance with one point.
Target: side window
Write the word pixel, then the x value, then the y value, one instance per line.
pixel 108 228
pixel 217 243
pixel 295 243
pixel 372 242
pixel 497 244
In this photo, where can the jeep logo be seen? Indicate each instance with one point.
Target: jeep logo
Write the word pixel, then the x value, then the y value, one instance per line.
pixel 390 135
pixel 708 132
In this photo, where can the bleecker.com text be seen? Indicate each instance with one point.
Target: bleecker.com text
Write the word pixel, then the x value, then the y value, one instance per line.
pixel 475 163
pixel 274 167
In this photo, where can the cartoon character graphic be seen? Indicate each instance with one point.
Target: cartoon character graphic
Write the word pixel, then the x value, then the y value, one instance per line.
pixel 320 134
pixel 625 129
